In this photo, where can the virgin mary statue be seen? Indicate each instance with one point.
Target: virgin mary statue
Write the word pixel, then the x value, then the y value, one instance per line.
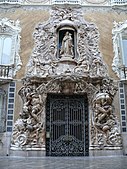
pixel 67 45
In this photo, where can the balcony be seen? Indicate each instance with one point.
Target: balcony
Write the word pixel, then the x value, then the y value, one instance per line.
pixel 118 2
pixel 6 72
pixel 43 2
pixel 113 3
pixel 123 70
pixel 10 1
pixel 66 2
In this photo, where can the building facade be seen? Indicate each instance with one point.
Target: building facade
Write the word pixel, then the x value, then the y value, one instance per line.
pixel 63 78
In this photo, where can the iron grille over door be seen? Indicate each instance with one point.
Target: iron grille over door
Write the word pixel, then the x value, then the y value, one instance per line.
pixel 67 125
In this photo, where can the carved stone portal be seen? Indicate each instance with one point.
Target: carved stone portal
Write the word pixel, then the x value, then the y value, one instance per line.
pixel 66 59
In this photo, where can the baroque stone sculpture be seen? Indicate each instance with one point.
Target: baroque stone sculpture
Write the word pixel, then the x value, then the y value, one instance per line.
pixel 50 55
pixel 67 45
pixel 105 124
pixel 66 59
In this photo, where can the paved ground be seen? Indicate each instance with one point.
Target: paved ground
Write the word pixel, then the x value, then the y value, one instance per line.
pixel 64 163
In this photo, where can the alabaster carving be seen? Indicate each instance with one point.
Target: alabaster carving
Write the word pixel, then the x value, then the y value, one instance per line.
pixel 51 55
pixel 65 60
pixel 105 128
pixel 67 46
pixel 104 123
pixel 29 131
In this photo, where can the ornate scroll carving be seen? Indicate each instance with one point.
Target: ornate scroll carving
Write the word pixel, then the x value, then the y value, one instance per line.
pixel 29 130
pixel 105 130
pixel 78 54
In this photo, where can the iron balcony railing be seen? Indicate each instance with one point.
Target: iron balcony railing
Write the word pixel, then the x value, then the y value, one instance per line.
pixel 66 1
pixel 10 1
pixel 123 70
pixel 118 2
pixel 6 71
pixel 80 2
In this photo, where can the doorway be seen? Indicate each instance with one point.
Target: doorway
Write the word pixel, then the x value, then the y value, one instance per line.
pixel 67 126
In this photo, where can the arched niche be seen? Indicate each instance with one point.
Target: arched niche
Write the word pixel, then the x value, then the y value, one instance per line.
pixel 62 31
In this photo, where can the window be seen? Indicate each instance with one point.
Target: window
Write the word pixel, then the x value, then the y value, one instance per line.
pixel 10 61
pixel 124 48
pixel 10 108
pixel 119 64
pixel 2 110
pixel 123 106
pixel 5 50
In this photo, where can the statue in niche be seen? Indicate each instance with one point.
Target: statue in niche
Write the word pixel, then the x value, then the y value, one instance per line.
pixel 67 45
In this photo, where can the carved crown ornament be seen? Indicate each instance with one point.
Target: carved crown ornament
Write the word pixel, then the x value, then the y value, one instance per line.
pixel 65 59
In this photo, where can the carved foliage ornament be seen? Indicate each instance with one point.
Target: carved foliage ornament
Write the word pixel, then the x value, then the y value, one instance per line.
pixel 66 43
